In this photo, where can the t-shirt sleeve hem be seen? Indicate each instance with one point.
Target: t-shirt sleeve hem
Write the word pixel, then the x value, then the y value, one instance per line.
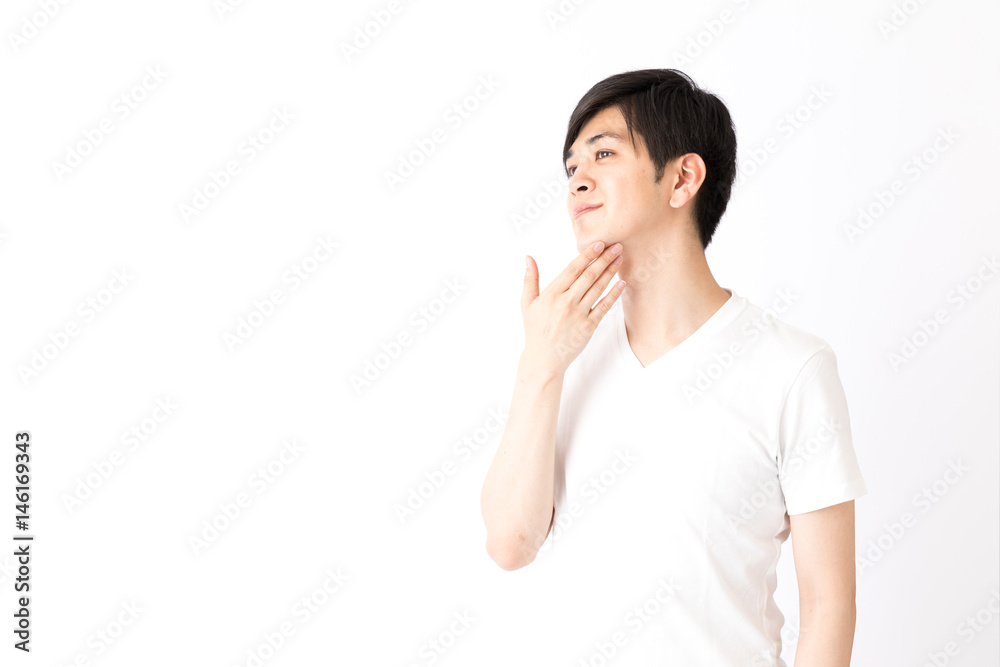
pixel 851 491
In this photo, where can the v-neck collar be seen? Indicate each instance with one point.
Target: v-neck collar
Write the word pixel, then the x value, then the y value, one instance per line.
pixel 719 319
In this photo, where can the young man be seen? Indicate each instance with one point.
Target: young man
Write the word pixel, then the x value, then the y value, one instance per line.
pixel 695 431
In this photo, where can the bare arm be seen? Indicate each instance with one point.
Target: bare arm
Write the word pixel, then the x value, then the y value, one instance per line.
pixel 517 497
pixel 823 546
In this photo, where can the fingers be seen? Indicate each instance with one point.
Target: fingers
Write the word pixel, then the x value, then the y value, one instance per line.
pixel 593 272
pixel 597 288
pixel 530 291
pixel 573 270
pixel 602 307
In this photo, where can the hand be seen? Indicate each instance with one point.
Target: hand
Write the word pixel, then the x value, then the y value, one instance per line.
pixel 559 322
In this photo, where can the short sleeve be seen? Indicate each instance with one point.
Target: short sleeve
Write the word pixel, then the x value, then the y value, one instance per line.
pixel 817 464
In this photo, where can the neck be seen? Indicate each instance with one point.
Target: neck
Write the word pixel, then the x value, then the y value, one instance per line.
pixel 669 292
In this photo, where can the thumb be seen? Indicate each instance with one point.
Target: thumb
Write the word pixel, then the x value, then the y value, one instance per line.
pixel 530 292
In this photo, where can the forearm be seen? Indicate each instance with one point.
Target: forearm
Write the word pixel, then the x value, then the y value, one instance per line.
pixel 517 494
pixel 826 633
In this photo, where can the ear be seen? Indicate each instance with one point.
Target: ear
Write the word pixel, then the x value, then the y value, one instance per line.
pixel 688 175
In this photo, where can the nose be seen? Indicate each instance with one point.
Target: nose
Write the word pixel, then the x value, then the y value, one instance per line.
pixel 580 182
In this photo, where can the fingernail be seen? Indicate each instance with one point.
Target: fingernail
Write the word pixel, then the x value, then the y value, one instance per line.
pixel 599 246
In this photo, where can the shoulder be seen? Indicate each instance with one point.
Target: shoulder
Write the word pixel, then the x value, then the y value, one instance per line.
pixel 790 353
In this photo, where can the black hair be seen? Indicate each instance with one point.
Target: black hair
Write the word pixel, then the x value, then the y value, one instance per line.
pixel 673 116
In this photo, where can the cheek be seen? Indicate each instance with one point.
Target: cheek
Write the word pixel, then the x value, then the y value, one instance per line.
pixel 643 200
pixel 630 201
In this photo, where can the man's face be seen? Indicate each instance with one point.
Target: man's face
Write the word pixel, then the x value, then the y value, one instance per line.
pixel 619 178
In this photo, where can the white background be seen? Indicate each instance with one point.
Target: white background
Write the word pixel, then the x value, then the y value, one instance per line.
pixel 163 335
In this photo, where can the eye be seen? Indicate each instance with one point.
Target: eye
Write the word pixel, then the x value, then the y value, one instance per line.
pixel 570 170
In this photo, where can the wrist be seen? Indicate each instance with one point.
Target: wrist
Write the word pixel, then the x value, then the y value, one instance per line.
pixel 532 370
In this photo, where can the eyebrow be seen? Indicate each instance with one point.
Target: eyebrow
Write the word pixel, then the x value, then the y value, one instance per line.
pixel 594 139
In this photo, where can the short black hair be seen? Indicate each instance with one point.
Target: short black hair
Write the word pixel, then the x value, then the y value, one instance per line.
pixel 674 117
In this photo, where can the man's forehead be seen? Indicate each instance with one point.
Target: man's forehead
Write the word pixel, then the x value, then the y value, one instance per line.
pixel 604 131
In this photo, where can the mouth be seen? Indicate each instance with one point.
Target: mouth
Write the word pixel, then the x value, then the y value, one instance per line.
pixel 583 211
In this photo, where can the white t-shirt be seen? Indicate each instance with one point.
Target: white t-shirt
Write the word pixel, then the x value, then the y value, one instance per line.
pixel 674 482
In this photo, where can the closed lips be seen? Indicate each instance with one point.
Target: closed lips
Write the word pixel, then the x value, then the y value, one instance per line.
pixel 577 212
